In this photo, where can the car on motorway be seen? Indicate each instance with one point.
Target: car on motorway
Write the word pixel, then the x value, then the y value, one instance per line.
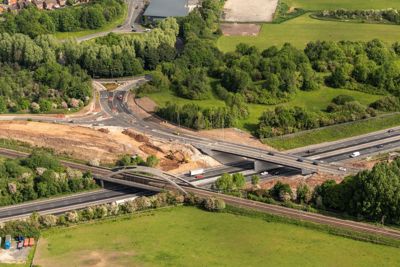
pixel 264 173
pixel 342 169
pixel 300 160
pixel 379 146
pixel 199 176
pixel 315 162
pixel 355 154
pixel 271 153
pixel 390 131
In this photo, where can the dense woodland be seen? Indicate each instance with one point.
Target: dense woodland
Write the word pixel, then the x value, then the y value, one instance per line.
pixel 44 74
pixel 38 176
pixel 34 22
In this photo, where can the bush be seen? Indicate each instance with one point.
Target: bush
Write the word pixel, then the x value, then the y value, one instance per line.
pixel 281 191
pixel 213 204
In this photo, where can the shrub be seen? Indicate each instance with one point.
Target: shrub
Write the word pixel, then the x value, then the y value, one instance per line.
pixel 213 204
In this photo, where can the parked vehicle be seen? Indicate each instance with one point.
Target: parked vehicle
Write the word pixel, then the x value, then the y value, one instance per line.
pixel 7 243
pixel 264 173
pixel 26 242
pixel 355 154
pixel 20 245
pixel 199 176
pixel 196 172
pixel 31 241
pixel 342 169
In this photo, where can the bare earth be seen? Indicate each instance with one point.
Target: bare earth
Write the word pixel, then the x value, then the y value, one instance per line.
pixel 84 258
pixel 88 143
pixel 249 11
pixel 311 180
pixel 240 29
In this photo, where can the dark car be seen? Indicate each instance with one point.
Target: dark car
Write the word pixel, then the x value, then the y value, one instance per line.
pixel 300 160
pixel 380 146
pixel 390 131
pixel 315 162
pixel 271 153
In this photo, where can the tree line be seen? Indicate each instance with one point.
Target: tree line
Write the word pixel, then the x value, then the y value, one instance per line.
pixel 389 15
pixel 34 22
pixel 286 120
pixel 38 176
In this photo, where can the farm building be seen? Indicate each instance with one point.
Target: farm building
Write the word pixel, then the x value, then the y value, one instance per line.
pixel 161 9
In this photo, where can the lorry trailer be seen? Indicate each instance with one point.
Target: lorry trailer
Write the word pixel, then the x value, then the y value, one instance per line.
pixel 196 172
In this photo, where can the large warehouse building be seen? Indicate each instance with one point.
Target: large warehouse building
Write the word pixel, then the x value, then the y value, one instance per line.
pixel 161 9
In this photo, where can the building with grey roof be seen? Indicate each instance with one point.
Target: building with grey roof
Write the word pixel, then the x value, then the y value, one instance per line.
pixel 161 9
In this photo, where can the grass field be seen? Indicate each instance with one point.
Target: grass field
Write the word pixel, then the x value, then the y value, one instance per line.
pixel 333 133
pixel 313 101
pixel 348 4
pixel 301 30
pixel 107 27
pixel 186 236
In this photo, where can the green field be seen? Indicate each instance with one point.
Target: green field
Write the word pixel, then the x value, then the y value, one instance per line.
pixel 301 30
pixel 186 236
pixel 313 101
pixel 333 133
pixel 348 4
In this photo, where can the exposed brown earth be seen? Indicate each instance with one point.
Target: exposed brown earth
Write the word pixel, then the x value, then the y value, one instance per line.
pixel 87 143
pixel 235 29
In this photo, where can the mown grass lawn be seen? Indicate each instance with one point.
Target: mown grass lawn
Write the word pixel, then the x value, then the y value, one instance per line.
pixel 186 236
pixel 314 101
pixel 301 30
pixel 348 4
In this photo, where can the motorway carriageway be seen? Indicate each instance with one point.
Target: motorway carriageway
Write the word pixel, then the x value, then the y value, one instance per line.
pixel 76 201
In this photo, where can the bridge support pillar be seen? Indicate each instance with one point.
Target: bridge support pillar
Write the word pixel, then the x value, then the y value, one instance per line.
pixel 307 171
pixel 260 166
pixel 102 183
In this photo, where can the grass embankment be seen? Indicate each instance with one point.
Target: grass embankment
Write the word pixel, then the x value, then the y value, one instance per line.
pixel 185 236
pixel 333 133
pixel 314 101
pixel 107 27
pixel 347 4
pixel 301 30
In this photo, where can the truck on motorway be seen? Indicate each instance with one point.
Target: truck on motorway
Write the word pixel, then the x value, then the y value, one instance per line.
pixel 196 172
pixel 355 154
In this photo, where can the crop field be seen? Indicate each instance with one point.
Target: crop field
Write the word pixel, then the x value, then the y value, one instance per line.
pixel 313 101
pixel 348 4
pixel 301 30
pixel 186 236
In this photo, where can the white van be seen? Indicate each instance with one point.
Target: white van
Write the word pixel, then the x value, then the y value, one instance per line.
pixel 355 154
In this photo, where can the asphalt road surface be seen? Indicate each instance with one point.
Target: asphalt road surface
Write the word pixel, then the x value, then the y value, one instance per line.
pixel 113 193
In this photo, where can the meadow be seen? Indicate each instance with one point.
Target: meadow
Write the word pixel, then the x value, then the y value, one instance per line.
pixel 187 236
pixel 347 4
pixel 301 30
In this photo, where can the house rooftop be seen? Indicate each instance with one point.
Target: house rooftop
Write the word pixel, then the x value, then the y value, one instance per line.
pixel 167 8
